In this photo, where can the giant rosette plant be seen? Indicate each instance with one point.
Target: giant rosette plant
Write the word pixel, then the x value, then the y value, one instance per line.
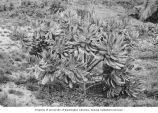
pixel 81 53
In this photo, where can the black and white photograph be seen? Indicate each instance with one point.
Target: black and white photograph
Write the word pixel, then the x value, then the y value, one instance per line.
pixel 78 53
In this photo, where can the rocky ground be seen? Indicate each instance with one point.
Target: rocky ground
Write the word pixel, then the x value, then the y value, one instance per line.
pixel 19 88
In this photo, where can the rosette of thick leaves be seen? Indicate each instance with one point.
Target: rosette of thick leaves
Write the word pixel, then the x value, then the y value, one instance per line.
pixel 54 28
pixel 76 68
pixel 46 67
pixel 121 82
pixel 89 33
pixel 115 81
pixel 70 15
pixel 113 48
pixel 133 87
pixel 115 78
pixel 71 21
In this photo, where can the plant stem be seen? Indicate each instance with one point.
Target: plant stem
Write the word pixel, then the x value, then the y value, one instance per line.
pixel 92 85
pixel 94 65
pixel 84 88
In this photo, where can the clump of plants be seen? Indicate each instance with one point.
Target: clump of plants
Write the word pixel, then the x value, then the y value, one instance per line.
pixel 85 53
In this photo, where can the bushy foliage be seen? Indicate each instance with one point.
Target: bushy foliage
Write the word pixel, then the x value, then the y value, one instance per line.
pixel 76 51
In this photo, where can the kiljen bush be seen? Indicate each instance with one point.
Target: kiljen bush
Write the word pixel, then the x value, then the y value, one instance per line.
pixel 85 53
